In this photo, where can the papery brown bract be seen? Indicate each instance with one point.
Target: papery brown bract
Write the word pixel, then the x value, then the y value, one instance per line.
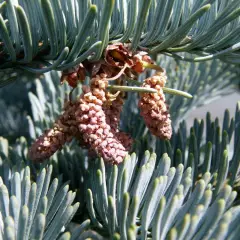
pixel 119 54
pixel 73 75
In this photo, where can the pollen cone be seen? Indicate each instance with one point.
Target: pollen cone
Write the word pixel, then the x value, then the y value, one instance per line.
pixel 153 107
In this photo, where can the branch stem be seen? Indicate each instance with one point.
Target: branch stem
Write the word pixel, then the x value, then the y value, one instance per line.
pixel 131 89
pixel 176 92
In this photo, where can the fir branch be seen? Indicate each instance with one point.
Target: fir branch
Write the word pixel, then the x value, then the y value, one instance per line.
pixel 40 31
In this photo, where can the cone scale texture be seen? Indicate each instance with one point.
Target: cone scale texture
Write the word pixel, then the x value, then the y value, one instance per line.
pixel 99 124
pixel 153 108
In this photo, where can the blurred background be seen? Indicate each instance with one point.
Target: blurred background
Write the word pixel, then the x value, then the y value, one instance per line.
pixel 216 108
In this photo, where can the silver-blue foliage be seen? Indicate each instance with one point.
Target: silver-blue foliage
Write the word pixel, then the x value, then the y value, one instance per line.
pixel 43 35
pixel 155 200
pixel 32 210
pixel 15 106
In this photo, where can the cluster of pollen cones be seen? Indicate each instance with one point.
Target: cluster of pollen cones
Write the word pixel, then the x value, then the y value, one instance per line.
pixel 94 117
